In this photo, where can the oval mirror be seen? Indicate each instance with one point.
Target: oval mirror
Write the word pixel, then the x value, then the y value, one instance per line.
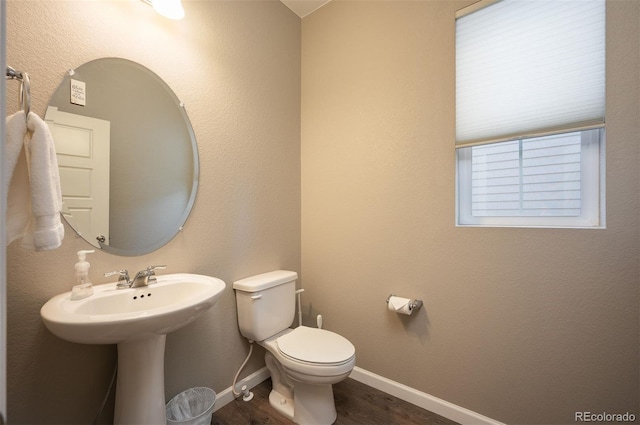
pixel 127 156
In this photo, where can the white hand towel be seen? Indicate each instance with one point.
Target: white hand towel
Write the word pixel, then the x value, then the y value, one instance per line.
pixel 16 178
pixel 45 230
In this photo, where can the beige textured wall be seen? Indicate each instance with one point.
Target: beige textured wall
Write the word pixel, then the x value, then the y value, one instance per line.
pixel 521 325
pixel 236 65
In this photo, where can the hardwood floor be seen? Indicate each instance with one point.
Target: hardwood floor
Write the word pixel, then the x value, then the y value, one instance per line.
pixel 356 404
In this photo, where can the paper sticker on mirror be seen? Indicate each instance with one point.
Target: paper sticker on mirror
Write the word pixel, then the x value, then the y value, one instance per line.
pixel 78 92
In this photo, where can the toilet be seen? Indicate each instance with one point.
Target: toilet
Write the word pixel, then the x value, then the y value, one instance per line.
pixel 304 362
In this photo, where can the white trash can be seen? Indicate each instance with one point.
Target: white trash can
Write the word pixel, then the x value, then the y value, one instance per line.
pixel 191 407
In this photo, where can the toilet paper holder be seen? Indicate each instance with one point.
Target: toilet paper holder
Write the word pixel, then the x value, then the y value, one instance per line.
pixel 413 305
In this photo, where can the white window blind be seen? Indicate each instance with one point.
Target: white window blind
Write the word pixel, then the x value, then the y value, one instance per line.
pixel 529 67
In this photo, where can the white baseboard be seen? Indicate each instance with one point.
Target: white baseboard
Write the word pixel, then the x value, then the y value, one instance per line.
pixel 226 396
pixel 396 389
pixel 420 399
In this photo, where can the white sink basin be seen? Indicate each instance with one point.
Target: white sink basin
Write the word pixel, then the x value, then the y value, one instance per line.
pixel 137 320
pixel 111 315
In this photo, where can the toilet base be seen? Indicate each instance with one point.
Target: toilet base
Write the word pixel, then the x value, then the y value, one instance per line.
pixel 304 403
pixel 313 404
pixel 281 403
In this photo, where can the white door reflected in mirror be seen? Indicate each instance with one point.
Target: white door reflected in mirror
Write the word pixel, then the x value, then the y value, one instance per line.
pixel 83 151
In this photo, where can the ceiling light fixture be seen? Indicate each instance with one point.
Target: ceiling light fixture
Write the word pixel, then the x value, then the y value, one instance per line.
pixel 171 9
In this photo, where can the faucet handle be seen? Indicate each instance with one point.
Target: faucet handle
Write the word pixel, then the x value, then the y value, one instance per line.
pixel 151 273
pixel 152 268
pixel 123 278
pixel 122 273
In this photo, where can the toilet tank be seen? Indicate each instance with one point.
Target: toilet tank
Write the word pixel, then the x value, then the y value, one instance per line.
pixel 266 303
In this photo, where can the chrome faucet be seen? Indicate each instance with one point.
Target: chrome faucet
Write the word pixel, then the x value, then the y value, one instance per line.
pixel 143 278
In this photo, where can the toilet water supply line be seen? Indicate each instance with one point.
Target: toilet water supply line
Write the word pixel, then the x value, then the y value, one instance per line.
pixel 246 394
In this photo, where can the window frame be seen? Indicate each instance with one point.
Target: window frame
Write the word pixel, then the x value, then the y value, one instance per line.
pixel 483 85
pixel 592 187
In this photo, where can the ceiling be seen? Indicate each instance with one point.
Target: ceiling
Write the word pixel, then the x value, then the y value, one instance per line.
pixel 303 8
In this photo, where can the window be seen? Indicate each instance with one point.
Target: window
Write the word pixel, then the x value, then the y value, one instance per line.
pixel 540 181
pixel 530 113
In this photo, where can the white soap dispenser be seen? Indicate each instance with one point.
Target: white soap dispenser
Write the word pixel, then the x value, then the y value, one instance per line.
pixel 83 287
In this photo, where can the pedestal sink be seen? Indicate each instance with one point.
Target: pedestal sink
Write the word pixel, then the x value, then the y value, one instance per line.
pixel 137 319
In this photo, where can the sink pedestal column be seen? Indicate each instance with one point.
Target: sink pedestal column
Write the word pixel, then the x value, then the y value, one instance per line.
pixel 140 384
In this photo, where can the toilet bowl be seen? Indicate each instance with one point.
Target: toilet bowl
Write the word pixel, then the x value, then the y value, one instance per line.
pixel 303 362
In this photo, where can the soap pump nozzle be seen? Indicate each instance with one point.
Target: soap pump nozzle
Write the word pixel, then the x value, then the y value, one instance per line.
pixel 82 254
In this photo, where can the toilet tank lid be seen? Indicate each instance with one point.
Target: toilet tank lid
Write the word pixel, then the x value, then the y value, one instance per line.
pixel 265 280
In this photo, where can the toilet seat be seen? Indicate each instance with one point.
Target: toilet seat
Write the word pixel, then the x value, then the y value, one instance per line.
pixel 303 370
pixel 317 347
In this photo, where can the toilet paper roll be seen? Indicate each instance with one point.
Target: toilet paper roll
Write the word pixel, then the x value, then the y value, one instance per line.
pixel 400 305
